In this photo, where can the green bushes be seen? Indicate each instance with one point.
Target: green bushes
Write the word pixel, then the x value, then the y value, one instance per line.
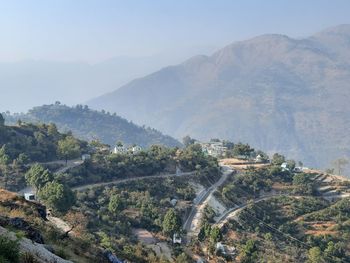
pixel 9 250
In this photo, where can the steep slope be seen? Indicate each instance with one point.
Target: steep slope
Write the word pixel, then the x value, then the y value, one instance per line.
pixel 88 124
pixel 274 92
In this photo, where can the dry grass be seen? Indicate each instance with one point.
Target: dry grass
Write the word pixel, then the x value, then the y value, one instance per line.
pixel 7 196
pixel 317 228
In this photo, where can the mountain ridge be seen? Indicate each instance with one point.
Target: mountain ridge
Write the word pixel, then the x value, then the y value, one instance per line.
pixel 90 125
pixel 277 93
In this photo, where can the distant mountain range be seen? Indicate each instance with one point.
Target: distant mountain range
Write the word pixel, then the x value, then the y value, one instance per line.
pixel 25 84
pixel 276 93
pixel 90 124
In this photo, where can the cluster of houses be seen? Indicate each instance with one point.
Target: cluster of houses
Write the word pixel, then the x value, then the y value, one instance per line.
pixel 121 149
pixel 297 169
pixel 214 148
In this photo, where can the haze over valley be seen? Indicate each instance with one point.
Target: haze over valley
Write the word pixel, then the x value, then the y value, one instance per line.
pixel 175 131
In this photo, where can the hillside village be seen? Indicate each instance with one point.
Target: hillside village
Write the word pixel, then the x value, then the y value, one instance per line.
pixel 175 131
pixel 186 204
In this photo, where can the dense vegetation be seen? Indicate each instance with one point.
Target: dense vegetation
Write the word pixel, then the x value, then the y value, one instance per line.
pixel 153 161
pixel 114 212
pixel 24 144
pixel 91 125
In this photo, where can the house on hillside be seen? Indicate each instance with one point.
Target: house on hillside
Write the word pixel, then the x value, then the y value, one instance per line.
pixel 120 149
pixel 136 149
pixel 29 196
pixel 215 149
pixel 177 239
pixel 225 250
pixel 123 149
pixel 284 166
pixel 259 159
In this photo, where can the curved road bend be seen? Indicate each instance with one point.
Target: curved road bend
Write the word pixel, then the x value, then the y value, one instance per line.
pixel 232 213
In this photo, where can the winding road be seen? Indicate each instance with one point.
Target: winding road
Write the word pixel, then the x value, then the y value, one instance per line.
pixel 192 222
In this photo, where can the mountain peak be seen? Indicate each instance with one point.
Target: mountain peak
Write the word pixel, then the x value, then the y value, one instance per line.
pixel 340 30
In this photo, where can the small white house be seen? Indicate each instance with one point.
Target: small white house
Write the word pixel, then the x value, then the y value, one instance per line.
pixel 284 166
pixel 120 149
pixel 136 149
pixel 177 239
pixel 259 159
pixel 29 196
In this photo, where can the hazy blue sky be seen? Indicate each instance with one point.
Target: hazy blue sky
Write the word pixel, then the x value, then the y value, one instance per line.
pixel 93 30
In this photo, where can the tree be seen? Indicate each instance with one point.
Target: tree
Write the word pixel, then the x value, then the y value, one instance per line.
pixel 52 129
pixel 315 255
pixel 57 196
pixel 187 140
pixel 278 159
pixel 115 204
pixel 2 120
pixel 119 144
pixel 37 176
pixel 303 183
pixel 242 149
pixel 68 148
pixel 77 222
pixel 339 164
pixel 171 222
pixel 183 258
pixel 249 252
pixel 291 165
pixel 9 250
pixel 4 158
pixel 215 234
pixel 23 158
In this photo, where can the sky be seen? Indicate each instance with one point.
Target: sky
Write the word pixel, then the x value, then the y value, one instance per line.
pixel 96 30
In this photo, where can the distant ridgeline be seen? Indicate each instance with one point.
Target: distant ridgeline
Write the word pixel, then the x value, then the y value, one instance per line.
pixel 89 124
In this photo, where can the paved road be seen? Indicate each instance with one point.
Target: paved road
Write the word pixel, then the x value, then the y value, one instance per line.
pixel 192 222
pixel 232 212
pixel 118 181
pixel 70 164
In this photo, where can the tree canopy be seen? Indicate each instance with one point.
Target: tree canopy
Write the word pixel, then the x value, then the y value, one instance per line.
pixel 68 148
pixel 171 222
pixel 57 196
pixel 2 120
pixel 37 176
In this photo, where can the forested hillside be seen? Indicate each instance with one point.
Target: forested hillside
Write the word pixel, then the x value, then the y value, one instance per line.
pixel 91 125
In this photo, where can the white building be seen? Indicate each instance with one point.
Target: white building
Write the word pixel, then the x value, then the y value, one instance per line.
pixel 215 149
pixel 29 196
pixel 136 149
pixel 120 149
pixel 124 150
pixel 284 166
pixel 225 249
pixel 177 239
